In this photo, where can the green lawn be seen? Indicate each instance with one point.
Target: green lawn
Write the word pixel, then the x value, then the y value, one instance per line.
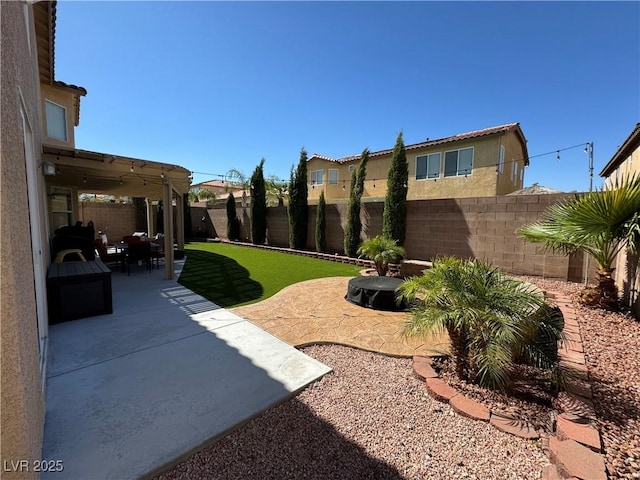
pixel 231 275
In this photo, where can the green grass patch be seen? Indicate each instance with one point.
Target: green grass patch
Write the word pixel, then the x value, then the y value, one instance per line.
pixel 232 275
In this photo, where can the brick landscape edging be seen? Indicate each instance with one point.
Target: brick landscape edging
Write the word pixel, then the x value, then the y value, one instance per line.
pixel 575 448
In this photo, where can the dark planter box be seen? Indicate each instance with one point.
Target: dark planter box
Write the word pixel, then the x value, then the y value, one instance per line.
pixel 78 290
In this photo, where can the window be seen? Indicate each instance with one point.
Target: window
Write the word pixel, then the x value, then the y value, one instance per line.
pixel 316 177
pixel 458 162
pixel 428 166
pixel 521 175
pixel 514 166
pixel 351 168
pixel 333 176
pixel 61 206
pixel 56 121
pixel 501 162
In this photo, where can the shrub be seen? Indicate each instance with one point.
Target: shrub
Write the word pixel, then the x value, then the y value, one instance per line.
pixel 383 251
pixel 233 222
pixel 354 224
pixel 297 211
pixel 258 206
pixel 321 225
pixel 394 217
pixel 494 321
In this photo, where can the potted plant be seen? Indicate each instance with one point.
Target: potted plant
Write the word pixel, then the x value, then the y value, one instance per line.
pixel 382 251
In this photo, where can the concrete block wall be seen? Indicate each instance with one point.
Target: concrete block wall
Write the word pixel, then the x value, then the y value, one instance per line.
pixel 118 218
pixel 478 227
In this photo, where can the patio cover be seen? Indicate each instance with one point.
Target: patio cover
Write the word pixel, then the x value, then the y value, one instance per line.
pixel 105 173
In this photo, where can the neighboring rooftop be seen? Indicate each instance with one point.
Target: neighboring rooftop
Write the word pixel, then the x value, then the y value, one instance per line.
pixel 515 127
pixel 535 189
pixel 626 149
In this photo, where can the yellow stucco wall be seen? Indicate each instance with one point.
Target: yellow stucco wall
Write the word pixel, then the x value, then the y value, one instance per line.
pixel 626 283
pixel 64 99
pixel 483 181
pixel 21 392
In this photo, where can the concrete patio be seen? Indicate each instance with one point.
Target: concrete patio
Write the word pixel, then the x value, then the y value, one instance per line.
pixel 131 393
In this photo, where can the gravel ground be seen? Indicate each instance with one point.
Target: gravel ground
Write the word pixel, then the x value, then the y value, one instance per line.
pixel 611 343
pixel 373 419
pixel 370 419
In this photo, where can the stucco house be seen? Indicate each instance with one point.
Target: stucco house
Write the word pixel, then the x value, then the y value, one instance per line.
pixel 624 163
pixel 41 175
pixel 480 163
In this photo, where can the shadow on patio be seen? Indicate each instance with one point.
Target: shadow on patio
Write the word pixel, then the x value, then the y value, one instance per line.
pixel 131 393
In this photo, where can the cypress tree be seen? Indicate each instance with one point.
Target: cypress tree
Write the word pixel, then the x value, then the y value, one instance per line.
pixel 233 222
pixel 321 225
pixel 258 206
pixel 354 224
pixel 394 218
pixel 186 211
pixel 298 208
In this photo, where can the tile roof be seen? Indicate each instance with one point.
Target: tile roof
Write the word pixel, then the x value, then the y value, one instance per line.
pixel 626 149
pixel 429 143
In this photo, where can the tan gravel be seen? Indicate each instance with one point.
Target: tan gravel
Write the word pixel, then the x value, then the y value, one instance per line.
pixel 373 419
pixel 611 343
pixel 370 419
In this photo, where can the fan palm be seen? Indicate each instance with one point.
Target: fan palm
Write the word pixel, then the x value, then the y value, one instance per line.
pixel 493 321
pixel 599 223
pixel 383 251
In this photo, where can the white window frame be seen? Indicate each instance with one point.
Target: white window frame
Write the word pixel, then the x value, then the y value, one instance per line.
pixel 429 159
pixel 313 177
pixel 458 172
pixel 50 132
pixel 330 180
pixel 501 161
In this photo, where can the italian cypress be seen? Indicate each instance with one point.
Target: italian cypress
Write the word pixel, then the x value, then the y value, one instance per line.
pixel 321 225
pixel 258 206
pixel 354 224
pixel 233 222
pixel 394 218
pixel 298 213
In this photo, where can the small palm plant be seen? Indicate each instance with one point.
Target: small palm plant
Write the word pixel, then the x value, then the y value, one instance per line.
pixel 493 321
pixel 601 224
pixel 382 251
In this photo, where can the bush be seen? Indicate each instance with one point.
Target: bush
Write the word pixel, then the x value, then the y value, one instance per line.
pixel 394 217
pixel 233 222
pixel 321 225
pixel 354 224
pixel 494 321
pixel 382 251
pixel 298 208
pixel 258 206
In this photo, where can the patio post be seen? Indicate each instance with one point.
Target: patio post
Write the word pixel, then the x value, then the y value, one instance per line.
pixel 150 220
pixel 180 220
pixel 167 194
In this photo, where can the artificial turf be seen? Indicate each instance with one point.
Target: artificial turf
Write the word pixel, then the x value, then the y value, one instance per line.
pixel 233 275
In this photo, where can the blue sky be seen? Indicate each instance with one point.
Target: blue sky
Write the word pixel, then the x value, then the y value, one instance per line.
pixel 213 86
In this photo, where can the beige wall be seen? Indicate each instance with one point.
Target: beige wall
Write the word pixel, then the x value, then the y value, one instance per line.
pixel 627 273
pixel 483 181
pixel 479 227
pixel 119 218
pixel 21 391
pixel 64 99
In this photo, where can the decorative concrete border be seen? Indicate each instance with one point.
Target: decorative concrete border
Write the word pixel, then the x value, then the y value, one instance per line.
pixel 575 448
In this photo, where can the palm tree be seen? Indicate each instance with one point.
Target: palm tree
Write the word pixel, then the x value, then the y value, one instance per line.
pixel 276 191
pixel 493 321
pixel 599 223
pixel 383 251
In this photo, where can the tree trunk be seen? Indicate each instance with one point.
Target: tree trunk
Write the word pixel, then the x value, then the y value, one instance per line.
pixel 604 294
pixel 460 351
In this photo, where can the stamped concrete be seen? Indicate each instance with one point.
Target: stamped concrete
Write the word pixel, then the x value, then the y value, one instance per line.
pixel 315 311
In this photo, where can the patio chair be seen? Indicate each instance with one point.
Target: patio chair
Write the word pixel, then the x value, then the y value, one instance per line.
pixel 138 252
pixel 157 255
pixel 106 256
pixel 131 239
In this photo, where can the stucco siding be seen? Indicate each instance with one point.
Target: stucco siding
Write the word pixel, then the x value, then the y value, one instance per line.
pixel 21 393
pixel 481 181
